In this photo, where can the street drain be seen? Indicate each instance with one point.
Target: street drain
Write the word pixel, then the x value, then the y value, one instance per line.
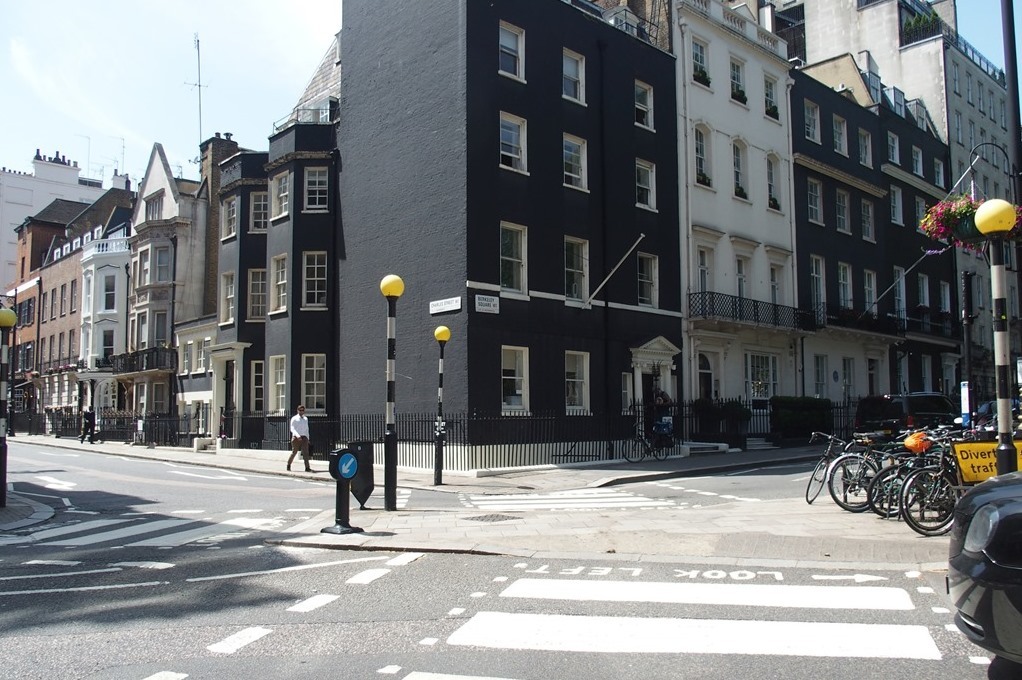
pixel 492 518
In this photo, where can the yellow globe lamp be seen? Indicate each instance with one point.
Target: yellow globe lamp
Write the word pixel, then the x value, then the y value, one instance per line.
pixel 995 216
pixel 442 334
pixel 392 286
pixel 8 318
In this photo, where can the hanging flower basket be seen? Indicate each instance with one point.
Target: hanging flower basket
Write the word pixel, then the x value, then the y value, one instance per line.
pixel 953 220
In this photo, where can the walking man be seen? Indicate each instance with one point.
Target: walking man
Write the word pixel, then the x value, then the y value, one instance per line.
pixel 88 426
pixel 299 438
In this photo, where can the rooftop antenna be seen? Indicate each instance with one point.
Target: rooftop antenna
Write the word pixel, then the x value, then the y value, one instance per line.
pixel 88 154
pixel 121 166
pixel 198 83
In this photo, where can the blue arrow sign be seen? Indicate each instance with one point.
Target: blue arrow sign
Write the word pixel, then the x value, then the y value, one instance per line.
pixel 348 466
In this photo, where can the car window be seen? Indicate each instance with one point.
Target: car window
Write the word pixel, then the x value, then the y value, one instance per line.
pixel 879 409
pixel 930 404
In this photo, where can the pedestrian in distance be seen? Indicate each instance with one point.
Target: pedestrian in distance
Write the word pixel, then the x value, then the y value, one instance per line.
pixel 88 426
pixel 299 438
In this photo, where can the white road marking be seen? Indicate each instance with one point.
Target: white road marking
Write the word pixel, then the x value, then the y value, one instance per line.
pixel 457 611
pixel 858 578
pixel 747 594
pixel 117 534
pixel 300 567
pixel 368 576
pixel 403 559
pixel 303 510
pixel 924 589
pixel 56 484
pixel 167 675
pixel 243 511
pixel 390 670
pixel 416 675
pixel 75 528
pixel 634 635
pixel 200 476
pixel 55 563
pixel 478 595
pixel 314 602
pixel 144 565
pixel 63 573
pixel 941 610
pixel 428 641
pixel 979 660
pixel 187 512
pixel 233 643
pixel 55 454
pixel 182 537
pixel 85 588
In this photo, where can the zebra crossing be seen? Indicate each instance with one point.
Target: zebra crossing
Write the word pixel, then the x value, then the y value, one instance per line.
pixel 782 623
pixel 595 499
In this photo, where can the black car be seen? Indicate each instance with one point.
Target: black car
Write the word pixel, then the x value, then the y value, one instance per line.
pixel 900 412
pixel 985 566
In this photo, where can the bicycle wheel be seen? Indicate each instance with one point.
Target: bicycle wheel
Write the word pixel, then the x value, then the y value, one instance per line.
pixel 660 446
pixel 848 480
pixel 634 450
pixel 884 492
pixel 928 500
pixel 817 480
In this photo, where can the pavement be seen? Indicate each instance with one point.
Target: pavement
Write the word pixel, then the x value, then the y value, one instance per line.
pixel 739 533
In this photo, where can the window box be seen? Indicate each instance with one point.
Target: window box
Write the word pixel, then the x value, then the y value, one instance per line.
pixel 774 203
pixel 773 112
pixel 739 96
pixel 704 179
pixel 740 192
pixel 701 76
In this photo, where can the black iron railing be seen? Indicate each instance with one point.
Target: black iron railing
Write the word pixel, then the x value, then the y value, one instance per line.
pixel 734 308
pixel 151 359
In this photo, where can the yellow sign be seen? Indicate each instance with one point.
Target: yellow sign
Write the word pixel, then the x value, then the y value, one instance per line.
pixel 978 460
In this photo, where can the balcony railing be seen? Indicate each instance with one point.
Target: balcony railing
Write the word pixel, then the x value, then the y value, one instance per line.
pixel 863 320
pixel 152 359
pixel 60 366
pixel 745 310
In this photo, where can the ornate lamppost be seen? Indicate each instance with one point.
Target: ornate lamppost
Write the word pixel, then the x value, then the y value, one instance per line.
pixel 392 287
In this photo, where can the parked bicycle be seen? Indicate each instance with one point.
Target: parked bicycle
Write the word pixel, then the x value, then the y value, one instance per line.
pixel 654 445
pixel 835 447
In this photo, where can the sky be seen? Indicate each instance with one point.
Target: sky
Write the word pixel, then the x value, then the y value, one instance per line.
pixel 101 82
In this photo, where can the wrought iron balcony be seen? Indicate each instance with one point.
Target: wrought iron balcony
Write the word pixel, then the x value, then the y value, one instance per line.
pixel 863 320
pixel 745 310
pixel 151 359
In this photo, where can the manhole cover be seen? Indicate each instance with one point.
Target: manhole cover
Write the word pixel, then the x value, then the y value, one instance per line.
pixel 492 518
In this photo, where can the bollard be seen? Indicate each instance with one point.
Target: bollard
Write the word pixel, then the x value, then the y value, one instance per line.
pixel 343 466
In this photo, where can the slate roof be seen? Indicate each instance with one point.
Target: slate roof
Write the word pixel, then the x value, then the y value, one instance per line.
pixel 60 211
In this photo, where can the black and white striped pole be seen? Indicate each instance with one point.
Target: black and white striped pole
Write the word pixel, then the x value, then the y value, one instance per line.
pixel 442 335
pixel 392 287
pixel 995 218
pixel 7 320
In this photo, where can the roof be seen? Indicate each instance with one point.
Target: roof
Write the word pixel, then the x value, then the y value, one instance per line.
pixel 325 82
pixel 60 211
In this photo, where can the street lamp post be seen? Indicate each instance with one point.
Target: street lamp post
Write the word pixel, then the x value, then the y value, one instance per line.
pixel 442 335
pixel 7 320
pixel 994 218
pixel 392 287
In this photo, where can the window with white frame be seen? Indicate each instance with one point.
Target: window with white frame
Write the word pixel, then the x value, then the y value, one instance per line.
pixel 63 299
pixel 314 382
pixel 844 285
pixel 741 276
pixel 278 374
pixel 954 78
pixel 186 357
pixel 511 51
pixel 257 383
pixel 512 142
pixel 771 176
pixel 159 401
pixel 945 296
pixel 317 189
pixel 260 217
pixel 109 293
pixel 161 329
pixel 702 158
pixel 576 382
pixel 870 291
pixel 108 343
pixel 897 213
pixel 866 220
pixel 917 161
pixel 626 391
pixel 576 268
pixel 938 173
pixel 512 257
pixel 900 306
pixel 161 257
pixel 144 269
pixel 257 294
pixel 281 195
pixel 820 375
pixel 575 174
pixel 775 284
pixel 514 378
pixel 770 97
pixel 154 207
pixel 738 164
pixel 923 289
pixel 893 148
pixel 278 300
pixel 704 258
pixel 229 218
pixel 737 71
pixel 840 128
pixel 968 87
pixel 573 76
pixel 920 210
pixel 204 349
pixel 700 63
pixel 760 375
pixel 643 104
pixel 865 148
pixel 142 328
pixel 314 279
pixel 958 126
pixel 227 297
pixel 812 121
pixel 817 287
pixel 814 200
pixel 848 375
pixel 86 294
pixel 648 280
pixel 841 221
pixel 645 184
